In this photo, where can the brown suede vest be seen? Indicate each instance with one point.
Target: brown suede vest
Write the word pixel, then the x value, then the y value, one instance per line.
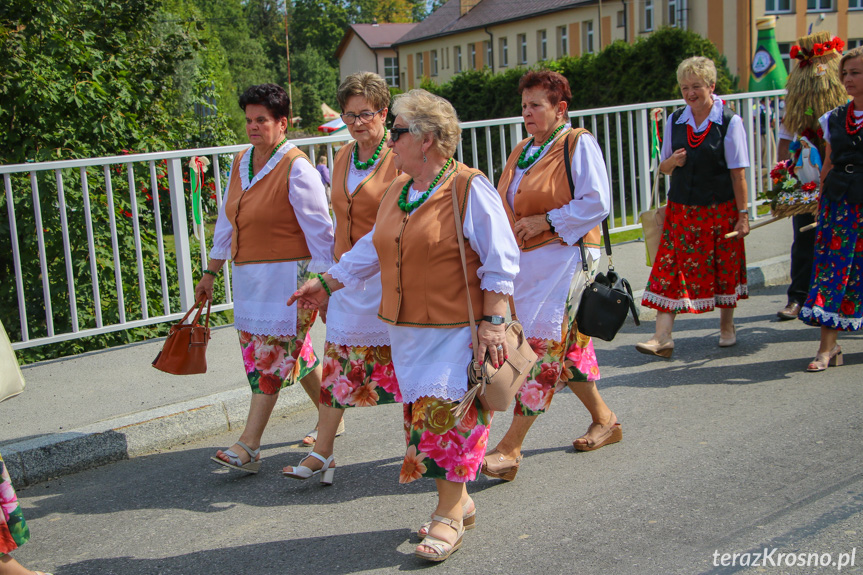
pixel 544 187
pixel 421 270
pixel 355 212
pixel 264 228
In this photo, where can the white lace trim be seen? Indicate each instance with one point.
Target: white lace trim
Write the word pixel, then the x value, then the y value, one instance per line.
pixel 546 324
pixel 432 383
pixel 320 266
pixel 697 304
pixel 358 339
pixel 258 326
pixel 363 173
pixel 268 167
pixel 829 318
pixel 497 284
pixel 350 281
pixel 352 329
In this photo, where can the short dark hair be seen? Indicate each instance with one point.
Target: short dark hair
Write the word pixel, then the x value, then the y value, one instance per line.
pixel 554 84
pixel 272 96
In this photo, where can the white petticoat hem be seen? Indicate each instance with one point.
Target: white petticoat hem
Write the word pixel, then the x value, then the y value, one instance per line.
pixel 697 304
pixel 830 319
pixel 266 327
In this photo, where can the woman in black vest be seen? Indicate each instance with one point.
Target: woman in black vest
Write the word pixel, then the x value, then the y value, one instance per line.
pixel 835 300
pixel 696 268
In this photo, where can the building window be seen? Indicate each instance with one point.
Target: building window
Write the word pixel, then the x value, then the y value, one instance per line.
pixel 391 71
pixel 488 54
pixel 621 19
pixel 419 64
pixel 473 56
pixel 562 41
pixel 672 13
pixel 504 53
pixel 434 62
pixel 784 49
pixel 542 44
pixel 819 5
pixel 855 4
pixel 522 49
pixel 588 37
pixel 648 15
pixel 777 6
pixel 854 43
pixel 458 67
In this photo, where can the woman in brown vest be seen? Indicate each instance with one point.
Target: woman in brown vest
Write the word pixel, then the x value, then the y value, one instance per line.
pixel 548 218
pixel 414 246
pixel 274 224
pixel 696 268
pixel 358 367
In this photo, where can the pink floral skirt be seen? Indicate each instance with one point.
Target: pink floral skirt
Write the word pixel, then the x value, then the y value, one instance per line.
pixel 572 359
pixel 13 528
pixel 440 446
pixel 358 376
pixel 274 362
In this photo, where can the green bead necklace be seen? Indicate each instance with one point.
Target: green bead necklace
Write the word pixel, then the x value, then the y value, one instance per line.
pixel 252 158
pixel 403 197
pixel 371 161
pixel 526 163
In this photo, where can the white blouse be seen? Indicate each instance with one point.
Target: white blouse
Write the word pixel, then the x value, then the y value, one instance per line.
pixel 825 123
pixel 545 275
pixel 736 146
pixel 352 316
pixel 261 290
pixel 432 362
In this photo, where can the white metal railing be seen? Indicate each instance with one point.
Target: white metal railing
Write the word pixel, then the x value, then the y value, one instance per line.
pixel 59 188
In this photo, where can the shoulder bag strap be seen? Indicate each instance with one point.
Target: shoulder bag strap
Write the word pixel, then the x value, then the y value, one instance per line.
pixel 476 365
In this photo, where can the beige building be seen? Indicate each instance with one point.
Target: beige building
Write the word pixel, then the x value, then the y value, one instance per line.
pixel 501 34
pixel 368 47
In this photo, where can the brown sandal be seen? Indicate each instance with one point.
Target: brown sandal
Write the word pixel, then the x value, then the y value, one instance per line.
pixel 599 435
pixel 496 465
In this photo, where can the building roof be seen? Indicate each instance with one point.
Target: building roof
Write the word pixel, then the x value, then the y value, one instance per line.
pixel 446 20
pixel 375 36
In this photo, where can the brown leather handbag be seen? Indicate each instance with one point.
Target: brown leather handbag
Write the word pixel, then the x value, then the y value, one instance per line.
pixel 495 387
pixel 185 350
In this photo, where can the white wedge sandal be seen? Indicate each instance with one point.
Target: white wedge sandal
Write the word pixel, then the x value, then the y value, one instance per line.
pixel 303 472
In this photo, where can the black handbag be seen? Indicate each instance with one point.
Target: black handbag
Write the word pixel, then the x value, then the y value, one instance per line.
pixel 605 302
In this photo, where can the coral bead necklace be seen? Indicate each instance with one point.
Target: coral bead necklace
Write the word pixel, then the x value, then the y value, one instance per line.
pixel 852 124
pixel 694 139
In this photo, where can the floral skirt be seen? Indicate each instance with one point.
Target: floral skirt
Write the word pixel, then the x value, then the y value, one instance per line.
pixel 358 376
pixel 696 268
pixel 274 362
pixel 836 288
pixel 440 446
pixel 13 528
pixel 572 359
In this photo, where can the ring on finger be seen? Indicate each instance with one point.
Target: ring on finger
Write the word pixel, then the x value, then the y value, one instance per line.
pixel 499 347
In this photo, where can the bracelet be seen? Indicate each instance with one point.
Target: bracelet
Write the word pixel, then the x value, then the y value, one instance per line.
pixel 212 273
pixel 324 283
pixel 743 211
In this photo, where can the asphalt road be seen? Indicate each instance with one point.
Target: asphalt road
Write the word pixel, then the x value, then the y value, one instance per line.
pixel 724 451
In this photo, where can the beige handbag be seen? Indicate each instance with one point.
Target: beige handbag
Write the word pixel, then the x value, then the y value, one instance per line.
pixel 11 378
pixel 495 387
pixel 652 221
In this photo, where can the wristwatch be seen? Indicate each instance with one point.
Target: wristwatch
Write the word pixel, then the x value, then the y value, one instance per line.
pixel 494 319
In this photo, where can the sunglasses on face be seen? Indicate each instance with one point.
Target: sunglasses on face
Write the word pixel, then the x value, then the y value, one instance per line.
pixel 350 118
pixel 395 133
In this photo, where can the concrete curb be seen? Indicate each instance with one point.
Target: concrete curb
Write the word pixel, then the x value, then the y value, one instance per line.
pixel 36 460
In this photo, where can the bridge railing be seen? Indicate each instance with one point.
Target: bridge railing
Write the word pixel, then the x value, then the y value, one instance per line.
pixel 100 245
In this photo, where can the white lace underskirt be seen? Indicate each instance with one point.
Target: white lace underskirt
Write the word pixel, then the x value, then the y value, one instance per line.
pixel 699 304
pixel 260 294
pixel 431 362
pixel 832 318
pixel 352 316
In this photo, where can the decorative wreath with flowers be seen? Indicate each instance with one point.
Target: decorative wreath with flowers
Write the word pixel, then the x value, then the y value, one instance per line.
pixel 788 197
pixel 819 49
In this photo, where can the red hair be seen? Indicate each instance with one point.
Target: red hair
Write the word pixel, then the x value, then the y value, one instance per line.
pixel 556 86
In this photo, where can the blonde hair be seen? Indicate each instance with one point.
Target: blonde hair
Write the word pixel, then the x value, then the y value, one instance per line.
pixel 699 67
pixel 812 92
pixel 366 84
pixel 426 113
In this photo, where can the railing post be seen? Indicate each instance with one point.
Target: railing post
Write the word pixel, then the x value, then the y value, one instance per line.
pixel 181 233
pixel 642 134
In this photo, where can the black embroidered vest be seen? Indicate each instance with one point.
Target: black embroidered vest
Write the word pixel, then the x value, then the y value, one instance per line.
pixel 846 154
pixel 704 179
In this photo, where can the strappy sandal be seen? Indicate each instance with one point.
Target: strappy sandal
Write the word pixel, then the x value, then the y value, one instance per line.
pixel 469 521
pixel 234 461
pixel 599 435
pixel 500 467
pixel 302 472
pixel 313 434
pixel 823 360
pixel 441 549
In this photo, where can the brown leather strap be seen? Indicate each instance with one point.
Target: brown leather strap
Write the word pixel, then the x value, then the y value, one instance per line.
pixel 460 234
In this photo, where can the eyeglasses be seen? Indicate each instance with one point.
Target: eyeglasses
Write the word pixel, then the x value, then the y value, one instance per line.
pixel 350 118
pixel 395 133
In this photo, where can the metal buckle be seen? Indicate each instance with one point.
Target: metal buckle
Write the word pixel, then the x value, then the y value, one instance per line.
pixel 849 168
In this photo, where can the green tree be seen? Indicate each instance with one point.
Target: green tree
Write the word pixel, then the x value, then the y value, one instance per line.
pixel 318 83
